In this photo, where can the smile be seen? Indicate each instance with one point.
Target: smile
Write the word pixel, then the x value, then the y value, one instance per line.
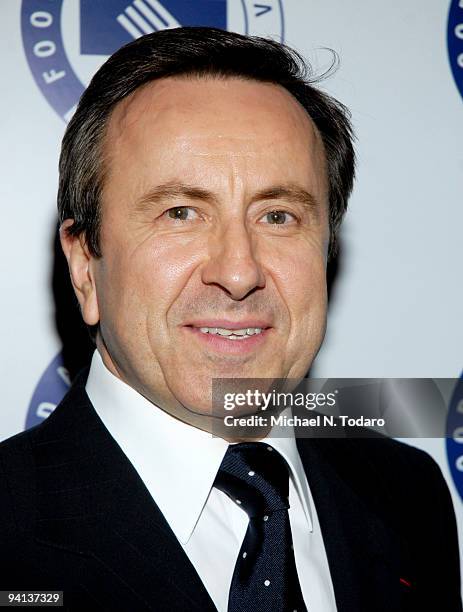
pixel 232 334
pixel 230 337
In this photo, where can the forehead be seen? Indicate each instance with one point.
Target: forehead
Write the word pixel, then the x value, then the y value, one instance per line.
pixel 170 122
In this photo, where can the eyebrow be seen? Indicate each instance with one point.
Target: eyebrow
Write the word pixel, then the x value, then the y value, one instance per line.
pixel 175 189
pixel 291 193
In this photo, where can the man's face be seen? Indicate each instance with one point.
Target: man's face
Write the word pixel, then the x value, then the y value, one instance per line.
pixel 214 215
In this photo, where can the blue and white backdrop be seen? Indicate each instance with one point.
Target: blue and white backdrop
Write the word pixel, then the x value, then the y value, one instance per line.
pixel 396 309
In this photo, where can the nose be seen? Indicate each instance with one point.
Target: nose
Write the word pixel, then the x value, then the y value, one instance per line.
pixel 232 262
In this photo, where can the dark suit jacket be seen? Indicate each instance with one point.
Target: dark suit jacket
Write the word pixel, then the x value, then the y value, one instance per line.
pixel 75 516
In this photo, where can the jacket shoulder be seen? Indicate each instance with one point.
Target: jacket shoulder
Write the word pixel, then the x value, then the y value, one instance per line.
pixel 18 471
pixel 383 466
pixel 17 487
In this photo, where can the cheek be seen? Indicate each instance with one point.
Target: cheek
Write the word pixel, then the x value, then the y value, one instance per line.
pixel 300 278
pixel 146 280
pixel 308 284
pixel 300 273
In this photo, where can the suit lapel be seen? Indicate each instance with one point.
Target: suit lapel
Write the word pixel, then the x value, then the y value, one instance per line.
pixel 363 552
pixel 92 502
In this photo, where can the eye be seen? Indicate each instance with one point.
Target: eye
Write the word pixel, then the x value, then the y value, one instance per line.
pixel 181 213
pixel 278 217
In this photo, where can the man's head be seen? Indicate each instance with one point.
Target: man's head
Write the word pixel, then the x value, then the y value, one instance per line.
pixel 202 182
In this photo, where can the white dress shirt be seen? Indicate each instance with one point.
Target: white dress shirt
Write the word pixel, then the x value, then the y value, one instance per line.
pixel 178 464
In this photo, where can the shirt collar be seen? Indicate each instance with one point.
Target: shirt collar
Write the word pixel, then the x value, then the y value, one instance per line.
pixel 178 463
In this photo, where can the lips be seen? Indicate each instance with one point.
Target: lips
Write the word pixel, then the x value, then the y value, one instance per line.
pixel 217 334
pixel 227 324
pixel 231 334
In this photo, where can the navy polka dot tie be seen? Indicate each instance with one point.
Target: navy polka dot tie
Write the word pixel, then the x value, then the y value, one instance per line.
pixel 255 476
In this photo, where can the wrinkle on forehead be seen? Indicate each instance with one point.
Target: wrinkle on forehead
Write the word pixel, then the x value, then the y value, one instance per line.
pixel 238 131
pixel 175 101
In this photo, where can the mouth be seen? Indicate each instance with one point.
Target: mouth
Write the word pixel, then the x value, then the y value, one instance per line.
pixel 235 337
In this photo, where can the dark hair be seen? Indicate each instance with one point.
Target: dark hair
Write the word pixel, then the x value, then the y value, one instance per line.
pixel 194 51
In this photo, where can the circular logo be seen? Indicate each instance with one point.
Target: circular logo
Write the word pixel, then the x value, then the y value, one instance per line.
pixel 455 42
pixel 455 437
pixel 66 41
pixel 48 393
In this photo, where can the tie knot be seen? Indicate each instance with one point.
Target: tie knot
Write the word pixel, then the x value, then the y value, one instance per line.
pixel 255 476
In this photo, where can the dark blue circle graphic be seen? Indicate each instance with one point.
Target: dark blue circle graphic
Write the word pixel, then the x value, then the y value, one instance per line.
pixel 455 42
pixel 455 437
pixel 105 25
pixel 44 48
pixel 48 393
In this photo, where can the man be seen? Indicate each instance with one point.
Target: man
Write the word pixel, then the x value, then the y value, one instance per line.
pixel 202 183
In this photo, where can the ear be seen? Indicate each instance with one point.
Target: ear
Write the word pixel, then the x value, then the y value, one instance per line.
pixel 81 264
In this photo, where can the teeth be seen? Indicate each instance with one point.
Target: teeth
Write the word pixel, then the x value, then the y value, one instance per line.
pixel 232 334
pixel 224 332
